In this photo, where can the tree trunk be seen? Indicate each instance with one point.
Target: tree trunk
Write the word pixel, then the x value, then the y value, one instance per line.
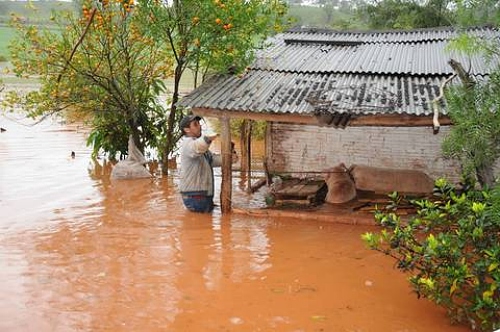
pixel 462 74
pixel 134 131
pixel 169 130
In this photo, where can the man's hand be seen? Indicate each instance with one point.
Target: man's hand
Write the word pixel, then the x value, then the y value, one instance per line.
pixel 211 137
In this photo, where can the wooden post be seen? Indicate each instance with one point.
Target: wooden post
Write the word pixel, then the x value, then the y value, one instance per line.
pixel 226 185
pixel 246 151
pixel 243 145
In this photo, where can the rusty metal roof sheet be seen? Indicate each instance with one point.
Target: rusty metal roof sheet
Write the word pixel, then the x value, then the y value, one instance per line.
pixel 314 71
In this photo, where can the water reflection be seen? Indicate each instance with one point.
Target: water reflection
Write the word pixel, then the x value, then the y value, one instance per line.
pixel 250 244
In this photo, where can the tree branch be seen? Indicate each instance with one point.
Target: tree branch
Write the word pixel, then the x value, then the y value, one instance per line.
pixel 435 104
pixel 80 40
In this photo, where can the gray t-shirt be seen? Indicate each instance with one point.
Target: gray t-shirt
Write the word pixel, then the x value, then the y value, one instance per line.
pixel 197 163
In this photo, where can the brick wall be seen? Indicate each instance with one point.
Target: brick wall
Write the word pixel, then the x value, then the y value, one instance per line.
pixel 301 148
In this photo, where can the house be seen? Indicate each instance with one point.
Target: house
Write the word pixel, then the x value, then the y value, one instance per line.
pixel 371 98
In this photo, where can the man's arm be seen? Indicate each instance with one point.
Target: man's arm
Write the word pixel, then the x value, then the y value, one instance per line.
pixel 217 158
pixel 200 145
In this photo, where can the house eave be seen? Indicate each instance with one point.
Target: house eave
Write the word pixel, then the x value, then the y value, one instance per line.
pixel 382 120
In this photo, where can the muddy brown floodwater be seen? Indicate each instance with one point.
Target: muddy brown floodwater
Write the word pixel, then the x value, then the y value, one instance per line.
pixel 79 252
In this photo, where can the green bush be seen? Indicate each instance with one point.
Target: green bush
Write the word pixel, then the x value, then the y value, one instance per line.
pixel 451 250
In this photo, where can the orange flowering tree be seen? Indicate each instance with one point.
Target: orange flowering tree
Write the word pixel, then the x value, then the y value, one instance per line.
pixel 207 36
pixel 99 65
pixel 109 64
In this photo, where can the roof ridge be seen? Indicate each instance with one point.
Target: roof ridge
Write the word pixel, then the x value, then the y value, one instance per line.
pixel 305 29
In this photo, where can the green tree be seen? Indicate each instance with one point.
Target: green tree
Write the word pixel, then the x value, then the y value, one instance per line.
pixel 406 14
pixel 409 14
pixel 476 12
pixel 328 7
pixel 473 107
pixel 99 65
pixel 207 37
pixel 475 136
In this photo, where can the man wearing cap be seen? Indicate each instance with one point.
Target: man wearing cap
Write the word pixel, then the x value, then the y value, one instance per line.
pixel 197 162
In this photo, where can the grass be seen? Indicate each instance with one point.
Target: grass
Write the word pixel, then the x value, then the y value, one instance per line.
pixel 32 12
pixel 6 35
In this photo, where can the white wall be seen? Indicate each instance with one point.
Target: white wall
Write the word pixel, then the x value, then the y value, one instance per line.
pixel 302 148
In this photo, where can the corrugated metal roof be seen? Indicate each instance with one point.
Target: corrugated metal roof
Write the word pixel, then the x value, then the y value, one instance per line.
pixel 427 58
pixel 328 72
pixel 419 52
pixel 309 93
pixel 388 36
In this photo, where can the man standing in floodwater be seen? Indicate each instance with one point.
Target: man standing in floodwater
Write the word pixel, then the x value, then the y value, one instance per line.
pixel 197 163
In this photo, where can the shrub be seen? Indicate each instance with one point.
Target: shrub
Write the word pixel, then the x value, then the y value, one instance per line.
pixel 451 249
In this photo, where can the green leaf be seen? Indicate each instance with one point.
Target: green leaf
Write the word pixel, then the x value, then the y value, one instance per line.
pixel 453 287
pixel 432 242
pixel 429 282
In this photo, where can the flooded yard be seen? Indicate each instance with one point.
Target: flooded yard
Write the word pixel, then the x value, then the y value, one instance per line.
pixel 79 252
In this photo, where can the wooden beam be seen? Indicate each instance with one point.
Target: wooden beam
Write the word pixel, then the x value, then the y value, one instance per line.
pixel 272 117
pixel 390 120
pixel 398 120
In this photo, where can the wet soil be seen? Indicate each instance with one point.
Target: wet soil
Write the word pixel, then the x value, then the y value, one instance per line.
pixel 79 252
